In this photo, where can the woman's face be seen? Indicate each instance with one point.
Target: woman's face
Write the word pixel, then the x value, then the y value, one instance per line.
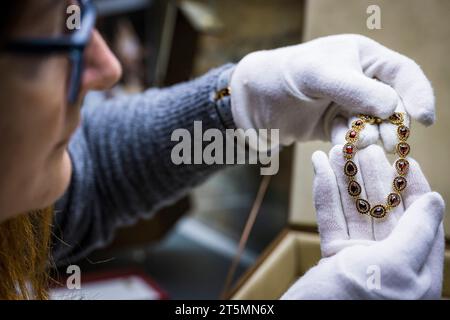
pixel 36 122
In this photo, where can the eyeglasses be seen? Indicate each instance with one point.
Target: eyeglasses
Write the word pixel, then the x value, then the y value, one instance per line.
pixel 74 44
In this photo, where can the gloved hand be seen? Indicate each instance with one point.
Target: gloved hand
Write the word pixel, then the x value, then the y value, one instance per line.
pixel 385 131
pixel 407 248
pixel 292 88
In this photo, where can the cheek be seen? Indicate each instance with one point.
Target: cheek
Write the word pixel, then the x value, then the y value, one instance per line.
pixel 36 108
pixel 33 120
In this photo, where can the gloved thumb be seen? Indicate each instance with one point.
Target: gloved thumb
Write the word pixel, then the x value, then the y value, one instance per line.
pixel 356 93
pixel 414 235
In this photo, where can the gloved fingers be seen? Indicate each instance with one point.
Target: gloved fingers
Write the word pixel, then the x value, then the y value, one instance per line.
pixel 417 184
pixel 377 175
pixel 338 130
pixel 359 225
pixel 416 231
pixel 327 201
pixel 403 75
pixel 388 131
pixel 340 126
pixel 354 91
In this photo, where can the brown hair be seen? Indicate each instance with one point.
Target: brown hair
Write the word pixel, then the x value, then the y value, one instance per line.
pixel 24 239
pixel 24 255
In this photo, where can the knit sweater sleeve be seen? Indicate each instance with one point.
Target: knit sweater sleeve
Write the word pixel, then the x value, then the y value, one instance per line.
pixel 121 159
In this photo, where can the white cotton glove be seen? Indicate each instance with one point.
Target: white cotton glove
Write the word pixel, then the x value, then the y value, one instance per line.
pixel 292 88
pixel 385 131
pixel 406 249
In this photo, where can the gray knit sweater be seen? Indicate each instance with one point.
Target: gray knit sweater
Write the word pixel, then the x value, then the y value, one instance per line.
pixel 122 170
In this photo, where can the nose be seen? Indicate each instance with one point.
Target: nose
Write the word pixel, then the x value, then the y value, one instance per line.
pixel 101 67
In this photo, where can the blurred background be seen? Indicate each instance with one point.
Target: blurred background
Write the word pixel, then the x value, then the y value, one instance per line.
pixel 187 249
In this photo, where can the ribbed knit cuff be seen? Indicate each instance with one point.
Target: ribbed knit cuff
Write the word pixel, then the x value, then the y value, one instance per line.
pixel 223 105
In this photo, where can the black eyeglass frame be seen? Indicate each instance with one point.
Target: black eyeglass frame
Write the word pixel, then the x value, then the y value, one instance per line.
pixel 74 44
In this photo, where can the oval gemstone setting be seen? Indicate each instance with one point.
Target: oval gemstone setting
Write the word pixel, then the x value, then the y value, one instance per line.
pixel 403 132
pixel 403 149
pixel 358 124
pixel 399 183
pixel 362 206
pixel 352 136
pixel 378 211
pixel 402 166
pixel 349 150
pixel 393 199
pixel 354 189
pixel 396 118
pixel 350 168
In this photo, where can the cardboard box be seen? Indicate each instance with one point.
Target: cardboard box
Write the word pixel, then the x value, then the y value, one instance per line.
pixel 288 258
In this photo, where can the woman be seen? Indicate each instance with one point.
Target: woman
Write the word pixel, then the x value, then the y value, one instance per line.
pixel 66 185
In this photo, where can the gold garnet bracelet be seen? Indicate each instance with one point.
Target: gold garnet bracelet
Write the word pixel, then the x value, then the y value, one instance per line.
pixel 401 164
